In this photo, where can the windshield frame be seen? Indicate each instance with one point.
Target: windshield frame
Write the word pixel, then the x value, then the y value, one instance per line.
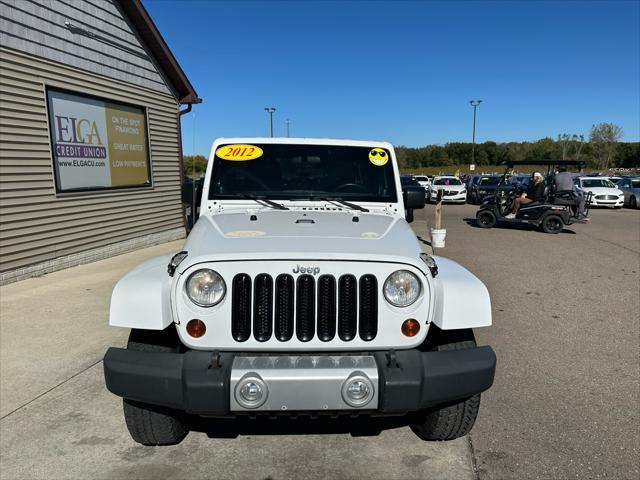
pixel 455 179
pixel 326 157
pixel 213 207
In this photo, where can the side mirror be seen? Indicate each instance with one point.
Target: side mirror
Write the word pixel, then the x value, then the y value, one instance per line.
pixel 413 197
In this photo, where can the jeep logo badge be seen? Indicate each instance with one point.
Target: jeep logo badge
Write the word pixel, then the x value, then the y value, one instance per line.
pixel 311 270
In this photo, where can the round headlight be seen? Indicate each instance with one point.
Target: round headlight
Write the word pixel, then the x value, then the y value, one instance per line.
pixel 401 288
pixel 205 288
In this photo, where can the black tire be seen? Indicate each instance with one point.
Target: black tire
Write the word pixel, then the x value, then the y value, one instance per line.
pixel 485 219
pixel 150 424
pixel 453 420
pixel 633 203
pixel 474 198
pixel 552 224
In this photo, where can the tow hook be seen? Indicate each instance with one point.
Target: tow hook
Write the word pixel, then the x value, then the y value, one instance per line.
pixel 215 360
pixel 392 361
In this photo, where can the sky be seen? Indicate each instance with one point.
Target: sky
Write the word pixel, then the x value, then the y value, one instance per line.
pixel 404 71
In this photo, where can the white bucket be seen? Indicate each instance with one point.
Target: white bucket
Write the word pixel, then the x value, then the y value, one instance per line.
pixel 437 237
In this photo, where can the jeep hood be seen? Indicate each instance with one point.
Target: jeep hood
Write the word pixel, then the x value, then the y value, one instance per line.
pixel 297 234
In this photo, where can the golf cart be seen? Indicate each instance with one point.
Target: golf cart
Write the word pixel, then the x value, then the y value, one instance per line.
pixel 556 210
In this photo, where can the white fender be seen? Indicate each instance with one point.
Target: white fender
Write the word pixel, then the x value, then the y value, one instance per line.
pixel 461 299
pixel 142 298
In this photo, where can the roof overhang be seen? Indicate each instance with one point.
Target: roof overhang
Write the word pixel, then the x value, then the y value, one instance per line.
pixel 150 35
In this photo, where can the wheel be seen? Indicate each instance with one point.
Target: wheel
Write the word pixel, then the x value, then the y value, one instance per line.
pixel 633 203
pixel 150 424
pixel 485 219
pixel 474 198
pixel 552 224
pixel 453 420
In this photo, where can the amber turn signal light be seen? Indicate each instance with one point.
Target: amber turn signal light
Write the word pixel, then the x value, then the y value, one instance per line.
pixel 410 327
pixel 196 328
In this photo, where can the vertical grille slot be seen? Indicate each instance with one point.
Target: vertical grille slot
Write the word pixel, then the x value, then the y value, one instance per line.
pixel 326 308
pixel 305 308
pixel 368 327
pixel 263 307
pixel 241 307
pixel 284 307
pixel 347 296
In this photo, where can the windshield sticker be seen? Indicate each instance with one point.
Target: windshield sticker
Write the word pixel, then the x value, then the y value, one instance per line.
pixel 378 157
pixel 239 152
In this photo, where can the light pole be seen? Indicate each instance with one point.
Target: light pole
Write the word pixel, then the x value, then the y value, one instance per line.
pixel 474 104
pixel 288 122
pixel 270 111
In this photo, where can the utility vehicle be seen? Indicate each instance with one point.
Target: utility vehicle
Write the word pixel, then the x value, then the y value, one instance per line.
pixel 551 214
pixel 301 291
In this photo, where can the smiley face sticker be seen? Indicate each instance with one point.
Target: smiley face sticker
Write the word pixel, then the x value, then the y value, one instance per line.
pixel 378 157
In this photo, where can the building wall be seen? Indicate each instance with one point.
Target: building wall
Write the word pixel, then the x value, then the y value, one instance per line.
pixel 103 42
pixel 36 224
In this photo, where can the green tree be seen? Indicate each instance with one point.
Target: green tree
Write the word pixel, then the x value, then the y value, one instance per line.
pixel 194 166
pixel 604 139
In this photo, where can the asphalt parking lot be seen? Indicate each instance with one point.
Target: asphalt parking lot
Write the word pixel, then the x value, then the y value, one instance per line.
pixel 564 405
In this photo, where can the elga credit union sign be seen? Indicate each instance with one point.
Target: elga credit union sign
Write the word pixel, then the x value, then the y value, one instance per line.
pixel 96 143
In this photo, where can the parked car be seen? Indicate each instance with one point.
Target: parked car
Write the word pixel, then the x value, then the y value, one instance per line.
pixel 410 188
pixel 522 180
pixel 485 186
pixel 631 189
pixel 471 181
pixel 409 180
pixel 453 189
pixel 604 192
pixel 425 182
pixel 295 298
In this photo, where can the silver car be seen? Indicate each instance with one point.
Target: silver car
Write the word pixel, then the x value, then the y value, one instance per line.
pixel 631 188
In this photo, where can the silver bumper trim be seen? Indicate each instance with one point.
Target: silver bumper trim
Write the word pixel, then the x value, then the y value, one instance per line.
pixel 303 383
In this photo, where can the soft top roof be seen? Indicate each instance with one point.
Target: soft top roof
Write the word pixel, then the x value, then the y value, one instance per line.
pixel 514 163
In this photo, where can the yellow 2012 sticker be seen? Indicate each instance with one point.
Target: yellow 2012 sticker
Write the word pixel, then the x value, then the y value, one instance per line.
pixel 378 157
pixel 239 152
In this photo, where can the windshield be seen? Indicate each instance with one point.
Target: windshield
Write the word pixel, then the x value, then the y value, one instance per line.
pixel 523 179
pixel 422 179
pixel 489 181
pixel 635 183
pixel 294 171
pixel 447 181
pixel 597 182
pixel 404 181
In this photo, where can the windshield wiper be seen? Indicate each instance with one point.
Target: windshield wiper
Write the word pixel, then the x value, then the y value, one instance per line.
pixel 339 200
pixel 271 203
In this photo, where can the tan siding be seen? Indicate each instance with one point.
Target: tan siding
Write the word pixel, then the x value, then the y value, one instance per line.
pixel 109 47
pixel 37 225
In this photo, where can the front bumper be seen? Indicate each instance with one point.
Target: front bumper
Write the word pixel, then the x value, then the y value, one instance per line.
pixel 596 202
pixel 199 382
pixel 458 198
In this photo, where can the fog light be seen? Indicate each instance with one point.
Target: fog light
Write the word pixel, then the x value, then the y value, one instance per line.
pixel 410 327
pixel 357 390
pixel 196 328
pixel 251 391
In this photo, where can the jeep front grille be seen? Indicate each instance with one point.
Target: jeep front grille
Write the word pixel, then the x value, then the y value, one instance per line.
pixel 241 307
pixel 284 307
pixel 348 307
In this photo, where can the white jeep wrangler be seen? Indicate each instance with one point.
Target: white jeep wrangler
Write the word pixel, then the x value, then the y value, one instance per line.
pixel 301 290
